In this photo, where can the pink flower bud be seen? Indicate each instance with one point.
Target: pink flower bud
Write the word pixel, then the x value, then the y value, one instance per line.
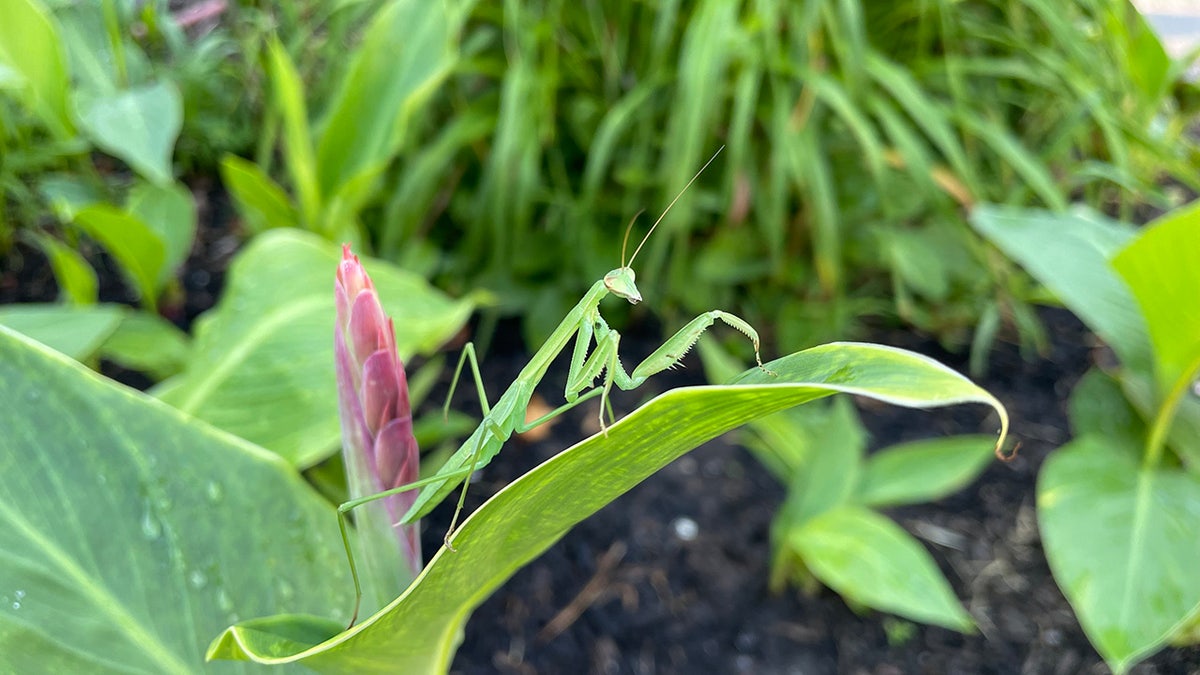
pixel 378 446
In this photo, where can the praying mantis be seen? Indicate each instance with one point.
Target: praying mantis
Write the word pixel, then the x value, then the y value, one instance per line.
pixel 584 324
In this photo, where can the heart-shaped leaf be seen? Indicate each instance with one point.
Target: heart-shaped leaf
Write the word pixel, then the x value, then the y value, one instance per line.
pixel 262 361
pixel 132 533
pixel 867 558
pixel 1123 542
pixel 138 125
pixel 1069 254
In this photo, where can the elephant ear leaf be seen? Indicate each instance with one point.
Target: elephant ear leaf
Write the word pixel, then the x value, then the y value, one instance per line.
pixel 132 532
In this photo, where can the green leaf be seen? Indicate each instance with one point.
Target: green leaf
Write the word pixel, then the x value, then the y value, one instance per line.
pixel 77 332
pixel 924 470
pixel 132 533
pixel 138 125
pixel 137 248
pixel 869 559
pixel 68 193
pixel 404 55
pixel 418 632
pixel 1100 407
pixel 260 200
pixel 76 278
pixel 1069 253
pixel 170 212
pixel 1160 267
pixel 148 343
pixel 288 90
pixel 262 362
pixel 31 45
pixel 1122 541
pixel 833 441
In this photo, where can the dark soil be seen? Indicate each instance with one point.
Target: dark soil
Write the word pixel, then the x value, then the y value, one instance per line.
pixel 632 591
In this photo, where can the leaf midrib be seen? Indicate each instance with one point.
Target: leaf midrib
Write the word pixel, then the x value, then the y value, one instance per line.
pixel 101 599
pixel 205 386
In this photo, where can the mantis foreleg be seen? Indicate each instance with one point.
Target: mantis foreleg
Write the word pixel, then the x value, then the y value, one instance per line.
pixel 605 358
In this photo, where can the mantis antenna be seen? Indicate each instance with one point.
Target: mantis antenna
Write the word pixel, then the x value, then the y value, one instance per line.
pixel 667 210
pixel 628 229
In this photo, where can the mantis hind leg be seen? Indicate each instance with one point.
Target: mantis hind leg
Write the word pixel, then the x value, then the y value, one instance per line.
pixel 349 506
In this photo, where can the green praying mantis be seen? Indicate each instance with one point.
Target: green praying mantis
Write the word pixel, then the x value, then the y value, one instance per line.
pixel 583 323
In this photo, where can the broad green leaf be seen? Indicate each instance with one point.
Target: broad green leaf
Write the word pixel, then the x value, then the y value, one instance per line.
pixel 833 441
pixel 138 125
pixel 31 45
pixel 418 632
pixel 148 343
pixel 288 90
pixel 77 332
pixel 260 200
pixel 1122 541
pixel 170 212
pixel 136 247
pixel 1183 436
pixel 924 470
pixel 132 533
pixel 1069 254
pixel 68 194
pixel 262 361
pixel 869 559
pixel 405 53
pixel 1099 407
pixel 1160 268
pixel 76 278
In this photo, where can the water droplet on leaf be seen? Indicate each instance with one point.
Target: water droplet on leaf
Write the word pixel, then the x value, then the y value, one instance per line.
pixel 224 601
pixel 214 491
pixel 151 528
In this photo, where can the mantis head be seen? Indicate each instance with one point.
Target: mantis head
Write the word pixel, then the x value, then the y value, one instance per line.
pixel 620 282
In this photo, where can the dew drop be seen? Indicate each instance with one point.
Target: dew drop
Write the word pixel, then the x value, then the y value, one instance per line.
pixel 224 601
pixel 33 395
pixel 20 595
pixel 285 590
pixel 16 605
pixel 151 528
pixel 197 579
pixel 214 491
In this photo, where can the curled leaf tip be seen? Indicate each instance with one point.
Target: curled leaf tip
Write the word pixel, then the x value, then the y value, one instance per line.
pixel 1006 456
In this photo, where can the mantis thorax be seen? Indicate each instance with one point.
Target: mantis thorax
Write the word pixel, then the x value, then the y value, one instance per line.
pixel 620 282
